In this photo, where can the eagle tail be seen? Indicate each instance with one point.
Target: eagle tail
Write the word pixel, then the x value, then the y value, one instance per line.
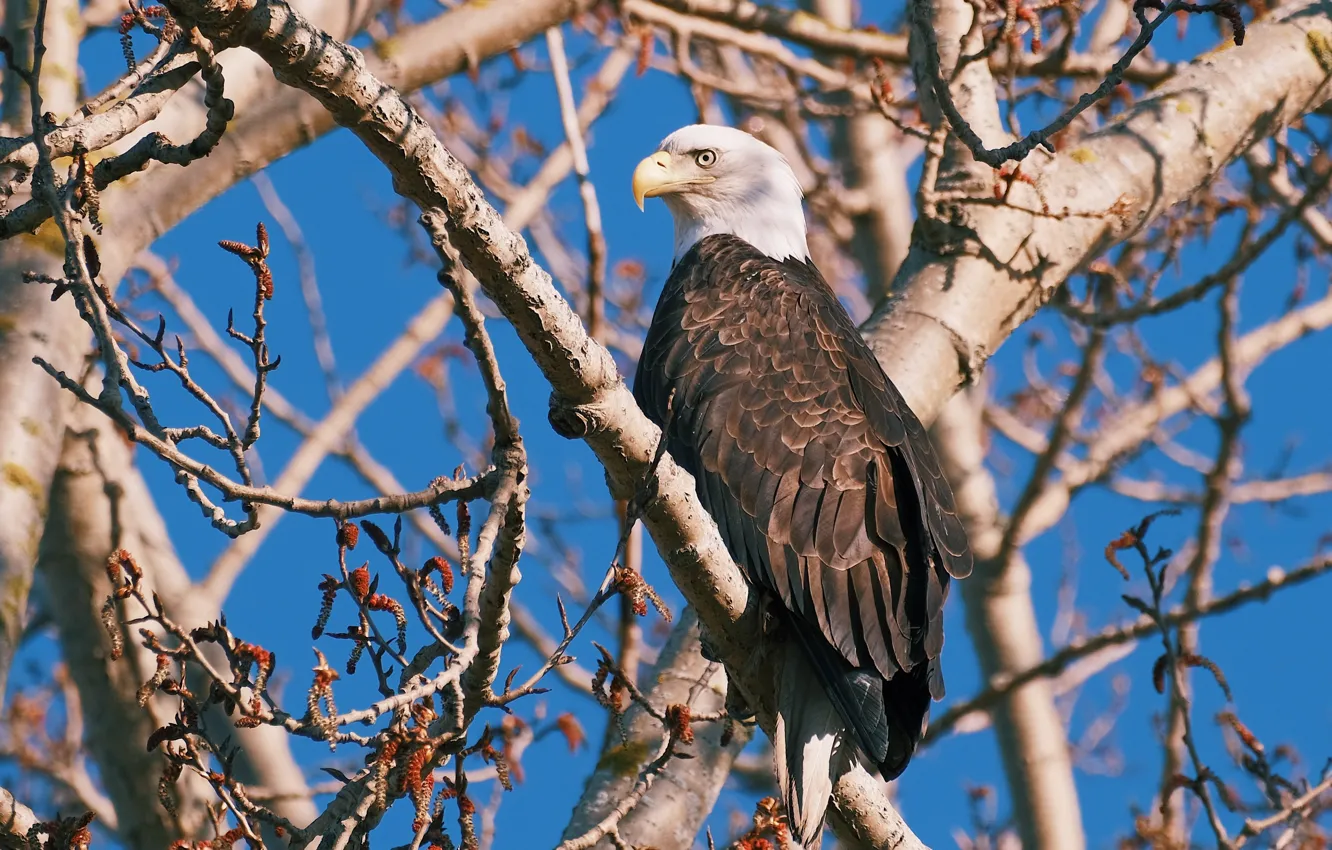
pixel 806 745
pixel 885 719
pixel 907 707
pixel 858 694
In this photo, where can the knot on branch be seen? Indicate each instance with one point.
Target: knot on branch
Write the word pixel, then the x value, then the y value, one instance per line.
pixel 510 457
pixel 574 421
pixel 222 22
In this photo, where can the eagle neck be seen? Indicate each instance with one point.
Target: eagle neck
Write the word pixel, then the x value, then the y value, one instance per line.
pixel 779 233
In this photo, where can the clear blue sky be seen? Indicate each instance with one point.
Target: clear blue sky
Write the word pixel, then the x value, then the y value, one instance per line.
pixel 340 194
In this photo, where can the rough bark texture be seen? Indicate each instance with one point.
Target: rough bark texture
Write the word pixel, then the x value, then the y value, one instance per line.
pixel 684 793
pixel 274 120
pixel 31 407
pixel 956 310
pixel 918 335
pixel 591 398
pixel 951 312
pixel 1001 618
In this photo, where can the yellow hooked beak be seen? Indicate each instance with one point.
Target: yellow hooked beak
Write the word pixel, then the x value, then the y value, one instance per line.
pixel 656 175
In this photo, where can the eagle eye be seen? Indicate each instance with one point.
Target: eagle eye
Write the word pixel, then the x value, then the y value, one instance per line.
pixel 705 158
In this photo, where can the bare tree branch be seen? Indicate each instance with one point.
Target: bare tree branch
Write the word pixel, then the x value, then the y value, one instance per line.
pixel 671 812
pixel 99 504
pixel 15 820
pixel 1001 618
pixel 1277 579
pixel 959 298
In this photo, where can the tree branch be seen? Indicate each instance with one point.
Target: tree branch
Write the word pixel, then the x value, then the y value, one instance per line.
pixel 1001 619
pixel 960 298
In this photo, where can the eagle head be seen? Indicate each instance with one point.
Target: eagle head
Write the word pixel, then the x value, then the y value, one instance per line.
pixel 717 179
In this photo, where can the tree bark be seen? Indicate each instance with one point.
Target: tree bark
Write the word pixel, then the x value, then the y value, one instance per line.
pixel 869 150
pixel 30 326
pixel 97 506
pixel 952 312
pixel 671 814
pixel 950 316
pixel 32 407
pixel 15 821
pixel 956 308
pixel 100 503
pixel 1001 620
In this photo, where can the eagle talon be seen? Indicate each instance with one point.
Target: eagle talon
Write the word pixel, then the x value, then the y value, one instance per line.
pixel 773 623
pixel 737 708
pixel 707 650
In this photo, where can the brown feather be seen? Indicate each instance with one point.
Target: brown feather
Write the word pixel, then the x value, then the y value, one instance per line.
pixel 823 483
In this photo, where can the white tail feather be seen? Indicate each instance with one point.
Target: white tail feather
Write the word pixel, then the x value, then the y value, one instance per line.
pixel 807 751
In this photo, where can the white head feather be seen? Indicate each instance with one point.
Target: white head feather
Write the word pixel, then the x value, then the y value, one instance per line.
pixel 717 179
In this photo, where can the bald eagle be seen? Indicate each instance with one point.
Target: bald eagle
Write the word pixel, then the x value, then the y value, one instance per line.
pixel 821 480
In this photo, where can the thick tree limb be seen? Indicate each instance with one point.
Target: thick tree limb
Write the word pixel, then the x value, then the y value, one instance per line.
pixel 93 512
pixel 31 325
pixel 957 301
pixel 1006 635
pixel 272 122
pixel 670 814
pixel 586 382
pixel 15 821
pixel 611 449
pixel 29 448
pixel 1001 617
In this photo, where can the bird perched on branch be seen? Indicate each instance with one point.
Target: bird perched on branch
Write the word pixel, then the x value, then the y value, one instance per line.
pixel 821 480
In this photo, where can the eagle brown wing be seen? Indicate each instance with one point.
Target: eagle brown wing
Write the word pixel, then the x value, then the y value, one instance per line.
pixel 822 481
